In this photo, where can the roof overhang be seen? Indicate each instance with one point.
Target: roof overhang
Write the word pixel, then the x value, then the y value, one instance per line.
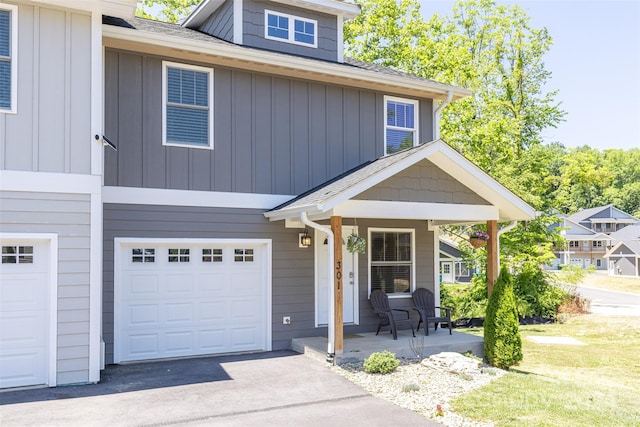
pixel 613 220
pixel 225 54
pixel 118 8
pixel 332 7
pixel 503 204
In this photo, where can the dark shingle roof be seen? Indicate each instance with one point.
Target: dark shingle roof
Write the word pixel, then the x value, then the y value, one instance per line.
pixel 175 30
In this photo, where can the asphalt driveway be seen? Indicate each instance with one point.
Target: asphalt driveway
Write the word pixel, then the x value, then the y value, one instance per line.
pixel 267 389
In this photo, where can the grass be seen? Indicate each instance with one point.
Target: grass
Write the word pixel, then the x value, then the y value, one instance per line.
pixel 591 385
pixel 601 280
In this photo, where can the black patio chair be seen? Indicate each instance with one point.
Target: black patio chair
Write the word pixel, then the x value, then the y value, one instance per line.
pixel 380 303
pixel 425 305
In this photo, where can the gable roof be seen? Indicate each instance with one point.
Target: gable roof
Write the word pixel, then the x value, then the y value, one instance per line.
pixel 332 7
pixel 630 232
pixel 577 231
pixel 342 188
pixel 166 39
pixel 633 245
pixel 614 215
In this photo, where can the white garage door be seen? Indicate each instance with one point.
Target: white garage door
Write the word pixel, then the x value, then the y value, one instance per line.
pixel 24 313
pixel 185 298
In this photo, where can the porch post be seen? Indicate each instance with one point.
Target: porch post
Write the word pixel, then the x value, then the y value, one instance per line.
pixel 493 256
pixel 336 228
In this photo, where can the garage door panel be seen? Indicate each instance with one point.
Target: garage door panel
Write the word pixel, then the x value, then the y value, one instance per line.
pixel 23 330
pixel 177 284
pixel 22 367
pixel 142 286
pixel 212 302
pixel 180 313
pixel 211 284
pixel 142 315
pixel 245 310
pixel 244 337
pixel 142 346
pixel 179 343
pixel 212 340
pixel 22 292
pixel 211 311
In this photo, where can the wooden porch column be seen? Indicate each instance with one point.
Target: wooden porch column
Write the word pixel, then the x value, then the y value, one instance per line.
pixel 336 228
pixel 493 257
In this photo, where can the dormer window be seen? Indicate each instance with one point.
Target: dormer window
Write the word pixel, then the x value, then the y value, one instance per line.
pixel 290 29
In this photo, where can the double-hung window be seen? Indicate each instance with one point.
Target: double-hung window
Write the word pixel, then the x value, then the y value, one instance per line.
pixel 187 113
pixel 290 29
pixel 401 124
pixel 392 260
pixel 8 57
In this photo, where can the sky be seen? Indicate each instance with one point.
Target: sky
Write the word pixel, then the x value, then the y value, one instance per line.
pixel 595 65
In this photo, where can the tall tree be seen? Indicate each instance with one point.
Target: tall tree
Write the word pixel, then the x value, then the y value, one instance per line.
pixel 488 48
pixel 166 10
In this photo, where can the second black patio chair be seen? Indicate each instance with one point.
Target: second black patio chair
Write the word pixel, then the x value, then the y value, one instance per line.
pixel 425 305
pixel 386 317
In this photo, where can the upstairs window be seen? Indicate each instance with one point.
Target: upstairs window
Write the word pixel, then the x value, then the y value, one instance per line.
pixel 290 29
pixel 401 124
pixel 187 114
pixel 8 57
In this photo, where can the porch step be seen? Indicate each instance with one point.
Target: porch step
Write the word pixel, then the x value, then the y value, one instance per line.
pixel 360 346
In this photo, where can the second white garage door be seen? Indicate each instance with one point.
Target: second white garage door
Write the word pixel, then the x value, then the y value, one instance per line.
pixel 190 297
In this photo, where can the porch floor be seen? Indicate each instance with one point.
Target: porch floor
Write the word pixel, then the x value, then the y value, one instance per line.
pixel 361 345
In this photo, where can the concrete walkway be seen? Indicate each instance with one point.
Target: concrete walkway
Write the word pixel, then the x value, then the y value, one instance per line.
pixel 267 389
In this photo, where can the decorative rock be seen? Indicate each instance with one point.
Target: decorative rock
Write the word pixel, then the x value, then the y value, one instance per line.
pixel 453 362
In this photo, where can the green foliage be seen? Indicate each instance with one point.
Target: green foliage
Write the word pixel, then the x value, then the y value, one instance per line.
pixel 535 295
pixel 502 342
pixel 466 302
pixel 382 362
pixel 170 10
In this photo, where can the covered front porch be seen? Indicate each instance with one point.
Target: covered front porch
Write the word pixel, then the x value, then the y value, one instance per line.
pixel 359 346
pixel 397 203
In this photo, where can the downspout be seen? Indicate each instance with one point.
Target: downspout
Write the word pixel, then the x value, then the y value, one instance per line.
pixel 436 115
pixel 504 230
pixel 331 341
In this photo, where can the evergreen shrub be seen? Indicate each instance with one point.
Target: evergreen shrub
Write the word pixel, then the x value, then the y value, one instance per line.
pixel 502 341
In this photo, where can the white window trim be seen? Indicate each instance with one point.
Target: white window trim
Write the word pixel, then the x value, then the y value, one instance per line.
pixel 14 58
pixel 416 113
pixel 412 284
pixel 291 35
pixel 165 66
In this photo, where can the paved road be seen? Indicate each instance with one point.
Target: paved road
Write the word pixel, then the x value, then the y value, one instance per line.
pixel 612 303
pixel 281 388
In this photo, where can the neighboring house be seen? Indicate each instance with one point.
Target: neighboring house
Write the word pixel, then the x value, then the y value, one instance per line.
pixel 583 247
pixel 624 252
pixel 50 189
pixel 603 219
pixel 452 267
pixel 239 134
pixel 587 235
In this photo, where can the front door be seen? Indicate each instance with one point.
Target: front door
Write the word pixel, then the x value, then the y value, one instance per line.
pixel 350 280
pixel 446 270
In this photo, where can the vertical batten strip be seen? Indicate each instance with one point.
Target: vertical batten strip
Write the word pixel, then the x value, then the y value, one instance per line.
pixel 67 91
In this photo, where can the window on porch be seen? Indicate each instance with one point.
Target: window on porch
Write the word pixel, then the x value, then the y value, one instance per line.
pixel 391 261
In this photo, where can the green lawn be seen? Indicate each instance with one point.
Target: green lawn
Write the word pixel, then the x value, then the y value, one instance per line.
pixel 559 385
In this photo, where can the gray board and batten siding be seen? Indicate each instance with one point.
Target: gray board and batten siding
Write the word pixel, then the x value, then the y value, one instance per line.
pixel 272 135
pixel 51 131
pixel 292 267
pixel 68 216
pixel 220 24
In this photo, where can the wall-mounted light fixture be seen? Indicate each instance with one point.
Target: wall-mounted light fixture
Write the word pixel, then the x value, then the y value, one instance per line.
pixel 304 240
